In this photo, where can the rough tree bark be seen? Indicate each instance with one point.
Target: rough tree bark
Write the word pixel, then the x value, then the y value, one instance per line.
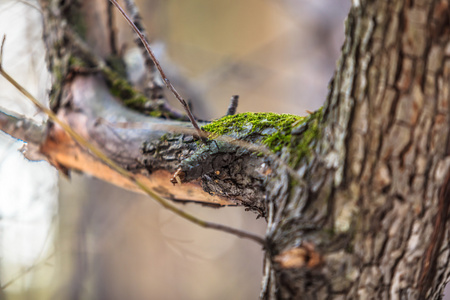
pixel 365 216
pixel 376 206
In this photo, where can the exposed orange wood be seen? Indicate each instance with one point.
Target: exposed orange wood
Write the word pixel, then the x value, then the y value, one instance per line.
pixel 64 153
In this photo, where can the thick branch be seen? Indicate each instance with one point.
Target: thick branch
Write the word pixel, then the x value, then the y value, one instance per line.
pixel 26 130
pixel 120 133
pixel 22 128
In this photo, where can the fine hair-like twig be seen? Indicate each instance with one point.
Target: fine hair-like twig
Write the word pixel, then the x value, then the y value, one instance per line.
pixel 161 71
pixel 1 49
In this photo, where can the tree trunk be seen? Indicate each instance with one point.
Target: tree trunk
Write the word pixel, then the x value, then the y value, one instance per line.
pixel 356 195
pixel 372 223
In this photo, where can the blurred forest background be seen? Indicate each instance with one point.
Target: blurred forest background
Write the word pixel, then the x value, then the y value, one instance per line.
pixel 85 239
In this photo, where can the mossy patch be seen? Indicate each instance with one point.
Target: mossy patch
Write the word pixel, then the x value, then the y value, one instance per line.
pixel 114 75
pixel 77 62
pixel 133 98
pixel 304 137
pixel 124 91
pixel 275 129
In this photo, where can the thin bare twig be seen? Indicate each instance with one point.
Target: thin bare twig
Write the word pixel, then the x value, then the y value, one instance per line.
pixel 234 101
pixel 37 262
pixel 1 49
pixel 31 5
pixel 112 29
pixel 161 71
pixel 28 270
pixel 126 174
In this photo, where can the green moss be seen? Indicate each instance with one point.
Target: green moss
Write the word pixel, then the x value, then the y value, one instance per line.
pixel 122 89
pixel 276 131
pixel 134 99
pixel 155 113
pixel 77 62
pixel 305 137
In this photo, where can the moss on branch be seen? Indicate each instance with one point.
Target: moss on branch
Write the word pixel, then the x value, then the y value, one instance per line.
pixel 114 74
pixel 274 129
pixel 304 138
